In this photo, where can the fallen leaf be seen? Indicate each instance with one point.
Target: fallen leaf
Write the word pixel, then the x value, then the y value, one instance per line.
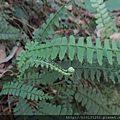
pixel 97 31
pixel 70 7
pixel 115 36
pixel 18 51
pixel 76 31
pixel 117 21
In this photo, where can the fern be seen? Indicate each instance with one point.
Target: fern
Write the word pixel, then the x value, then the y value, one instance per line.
pixel 103 19
pixel 47 77
pixel 86 53
pixel 34 61
pixel 61 46
pixel 22 108
pixel 95 71
pixel 32 78
pixel 67 99
pixel 38 68
pixel 92 100
pixel 49 109
pixel 47 28
pixel 8 32
pixel 24 91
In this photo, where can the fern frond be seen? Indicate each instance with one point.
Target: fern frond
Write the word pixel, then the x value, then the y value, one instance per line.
pixel 93 101
pixel 34 61
pixel 67 95
pixel 32 78
pixel 48 77
pixel 22 108
pixel 8 32
pixel 24 91
pixel 49 109
pixel 95 71
pixel 116 110
pixel 83 51
pixel 47 28
pixel 103 18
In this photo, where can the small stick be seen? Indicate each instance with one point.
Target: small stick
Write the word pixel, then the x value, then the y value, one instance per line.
pixel 9 56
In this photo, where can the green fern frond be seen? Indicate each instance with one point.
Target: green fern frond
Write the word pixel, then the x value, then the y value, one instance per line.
pixel 22 108
pixel 49 109
pixel 34 61
pixel 8 32
pixel 93 101
pixel 95 71
pixel 47 77
pixel 116 110
pixel 83 51
pixel 47 28
pixel 103 18
pixel 32 78
pixel 24 91
pixel 67 95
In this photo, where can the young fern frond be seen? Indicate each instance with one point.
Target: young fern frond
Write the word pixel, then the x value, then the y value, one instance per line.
pixel 8 32
pixel 104 22
pixel 37 61
pixel 24 91
pixel 83 51
pixel 93 101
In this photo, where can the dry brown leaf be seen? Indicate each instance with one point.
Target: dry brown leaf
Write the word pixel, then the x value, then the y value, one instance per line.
pixel 19 50
pixel 115 36
pixel 117 21
pixel 76 31
pixel 97 31
pixel 70 7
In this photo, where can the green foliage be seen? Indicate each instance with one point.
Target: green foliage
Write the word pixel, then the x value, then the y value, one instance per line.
pixel 62 76
pixel 92 54
pixel 35 61
pixel 103 19
pixel 110 5
pixel 47 77
pixel 24 91
pixel 22 108
pixel 63 46
pixel 47 28
pixel 92 100
pixel 95 71
pixel 8 32
pixel 49 109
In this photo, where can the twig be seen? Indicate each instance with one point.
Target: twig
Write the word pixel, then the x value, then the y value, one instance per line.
pixel 23 22
pixel 9 104
pixel 9 56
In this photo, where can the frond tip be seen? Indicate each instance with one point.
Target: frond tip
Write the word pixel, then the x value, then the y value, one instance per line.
pixel 71 70
pixel 35 62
